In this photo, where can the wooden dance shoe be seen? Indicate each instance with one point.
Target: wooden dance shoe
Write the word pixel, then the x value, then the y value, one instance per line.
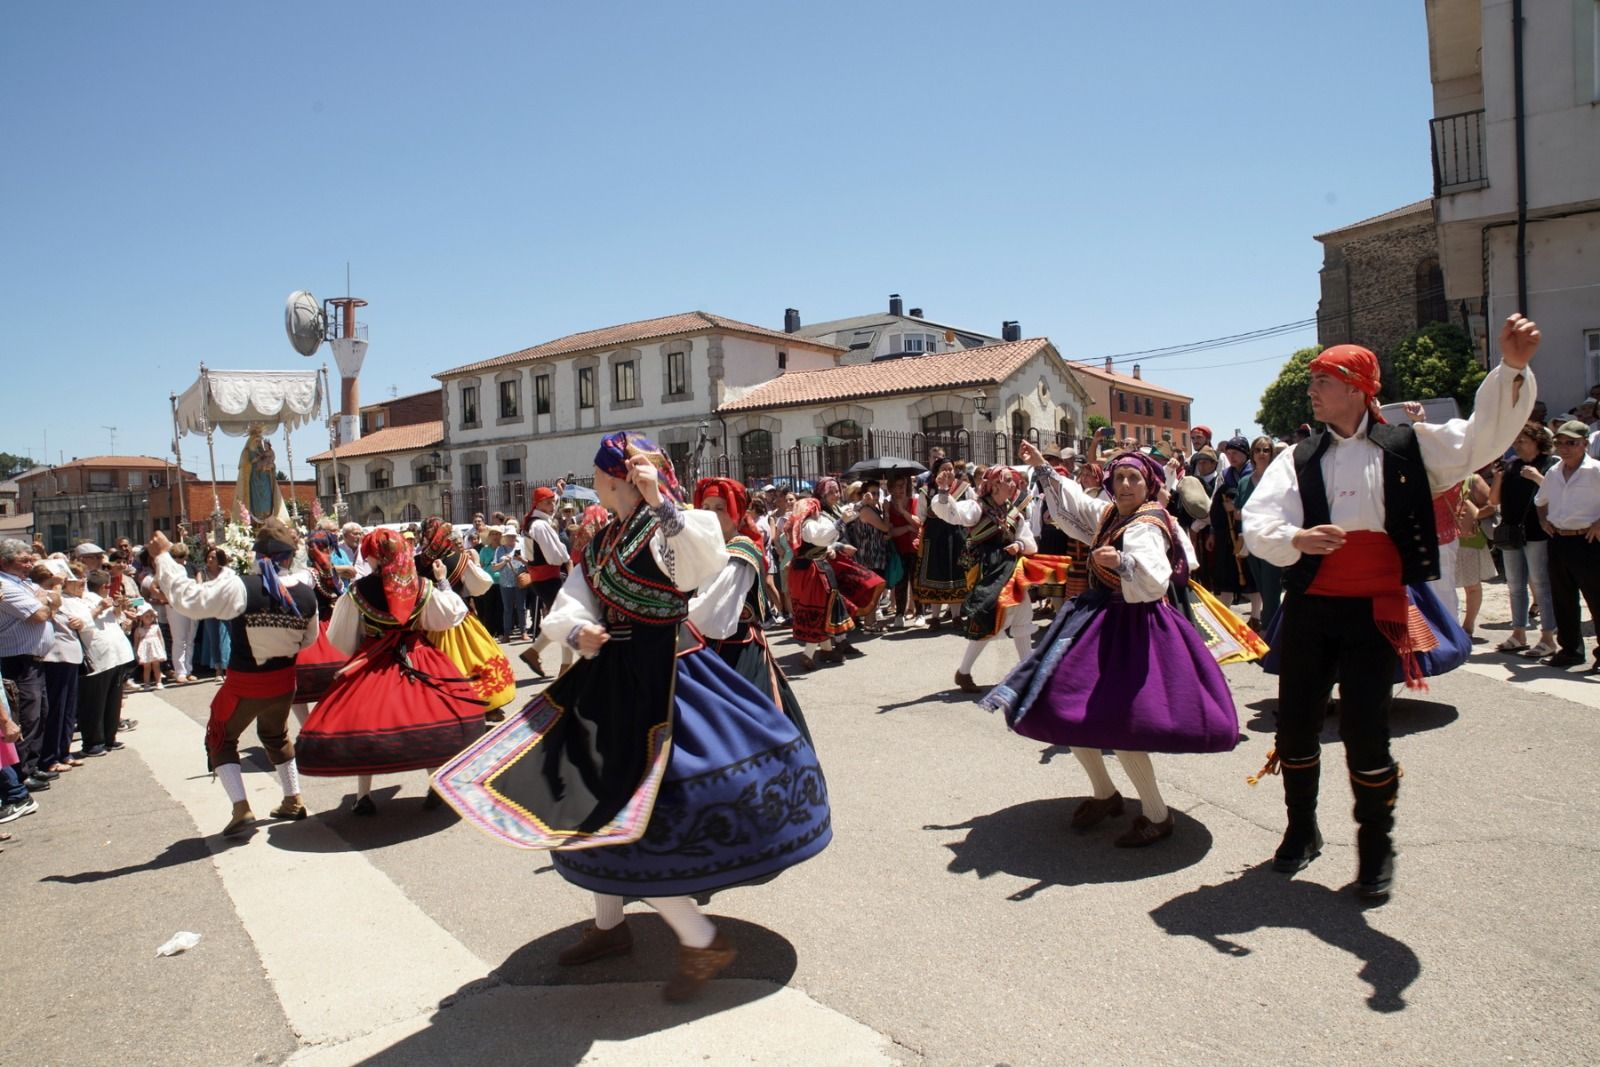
pixel 292 809
pixel 696 967
pixel 597 944
pixel 242 819
pixel 1094 811
pixel 965 683
pixel 1144 832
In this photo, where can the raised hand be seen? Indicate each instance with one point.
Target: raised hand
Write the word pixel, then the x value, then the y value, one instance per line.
pixel 1519 339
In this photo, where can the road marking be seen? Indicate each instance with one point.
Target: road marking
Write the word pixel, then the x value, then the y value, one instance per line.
pixel 345 949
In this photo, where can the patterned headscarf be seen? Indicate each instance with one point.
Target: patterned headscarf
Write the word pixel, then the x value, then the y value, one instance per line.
pixel 734 497
pixel 617 448
pixel 1155 475
pixel 1356 367
pixel 827 485
pixel 391 558
pixel 275 545
pixel 320 547
pixel 589 523
pixel 436 539
pixel 808 509
pixel 1000 474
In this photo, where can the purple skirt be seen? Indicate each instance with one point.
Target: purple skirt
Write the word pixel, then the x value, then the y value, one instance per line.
pixel 1109 674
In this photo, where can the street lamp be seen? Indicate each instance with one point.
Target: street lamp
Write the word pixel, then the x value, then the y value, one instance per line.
pixel 981 403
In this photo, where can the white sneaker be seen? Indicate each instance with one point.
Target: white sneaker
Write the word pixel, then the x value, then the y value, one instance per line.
pixel 161 685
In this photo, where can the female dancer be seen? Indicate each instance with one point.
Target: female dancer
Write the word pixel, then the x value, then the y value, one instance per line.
pixel 821 613
pixel 1121 668
pixel 651 768
pixel 941 577
pixel 860 587
pixel 399 704
pixel 476 655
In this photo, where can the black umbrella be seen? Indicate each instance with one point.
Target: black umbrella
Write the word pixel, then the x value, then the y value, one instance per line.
pixel 884 467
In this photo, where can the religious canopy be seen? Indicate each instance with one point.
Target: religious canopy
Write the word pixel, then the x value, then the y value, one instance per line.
pixel 235 400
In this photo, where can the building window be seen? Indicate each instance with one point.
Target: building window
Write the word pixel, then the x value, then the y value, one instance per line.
pixel 426 472
pixel 1149 435
pixel 677 373
pixel 1591 345
pixel 1122 432
pixel 1166 409
pixel 1184 408
pixel 585 388
pixel 942 422
pixel 1431 305
pixel 508 400
pixel 624 382
pixel 474 475
pixel 136 479
pixel 1020 424
pixel 1122 401
pixel 378 479
pixel 680 453
pixel 1066 430
pixel 511 468
pixel 469 405
pixel 755 455
pixel 847 452
pixel 783 360
pixel 541 395
pixel 102 483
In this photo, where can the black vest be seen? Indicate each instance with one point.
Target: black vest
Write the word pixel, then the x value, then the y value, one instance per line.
pixel 1407 503
pixel 259 612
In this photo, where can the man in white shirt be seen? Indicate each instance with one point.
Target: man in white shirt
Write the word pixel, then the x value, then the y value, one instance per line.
pixel 1348 513
pixel 1568 503
pixel 547 560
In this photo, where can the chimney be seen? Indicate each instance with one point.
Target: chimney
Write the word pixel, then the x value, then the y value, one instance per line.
pixel 916 313
pixel 896 305
pixel 791 320
pixel 1108 366
pixel 1136 370
pixel 1011 330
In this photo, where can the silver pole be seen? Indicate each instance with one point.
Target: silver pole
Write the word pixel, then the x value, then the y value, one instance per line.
pixel 177 452
pixel 216 500
pixel 288 452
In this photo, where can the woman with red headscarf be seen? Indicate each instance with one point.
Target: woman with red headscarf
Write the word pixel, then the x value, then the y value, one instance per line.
pixel 822 615
pixel 399 704
pixel 1122 668
pixel 315 667
pixel 477 656
pixel 729 609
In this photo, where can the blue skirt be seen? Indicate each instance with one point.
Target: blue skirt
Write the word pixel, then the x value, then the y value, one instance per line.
pixel 1454 644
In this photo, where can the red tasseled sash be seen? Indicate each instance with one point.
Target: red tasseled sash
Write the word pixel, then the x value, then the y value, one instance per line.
pixel 243 685
pixel 1369 566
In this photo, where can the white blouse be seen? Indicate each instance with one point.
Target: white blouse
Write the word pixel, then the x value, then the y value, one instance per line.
pixel 443 611
pixel 716 608
pixel 1146 566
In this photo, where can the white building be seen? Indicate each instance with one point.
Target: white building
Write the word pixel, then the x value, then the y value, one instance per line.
pixel 825 420
pixel 395 474
pixel 1518 193
pixel 865 338
pixel 531 416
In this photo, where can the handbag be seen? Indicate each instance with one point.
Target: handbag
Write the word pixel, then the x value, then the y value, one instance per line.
pixel 524 579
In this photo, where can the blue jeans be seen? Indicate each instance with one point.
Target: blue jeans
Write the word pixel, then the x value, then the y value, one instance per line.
pixel 513 610
pixel 1529 566
pixel 12 791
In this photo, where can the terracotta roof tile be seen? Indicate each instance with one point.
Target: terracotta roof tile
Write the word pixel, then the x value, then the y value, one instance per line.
pixel 988 365
pixel 631 332
pixel 1126 380
pixel 137 463
pixel 389 439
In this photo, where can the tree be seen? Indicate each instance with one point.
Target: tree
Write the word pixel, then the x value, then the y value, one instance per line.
pixel 1097 422
pixel 12 465
pixel 1437 361
pixel 1285 405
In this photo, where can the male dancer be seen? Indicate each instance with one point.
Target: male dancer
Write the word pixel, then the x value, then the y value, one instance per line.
pixel 547 560
pixel 271 616
pixel 1348 552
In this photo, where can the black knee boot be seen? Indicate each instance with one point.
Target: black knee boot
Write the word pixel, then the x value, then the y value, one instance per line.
pixel 1302 841
pixel 1374 810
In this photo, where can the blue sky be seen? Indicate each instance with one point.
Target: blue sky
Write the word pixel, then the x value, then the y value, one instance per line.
pixel 1115 176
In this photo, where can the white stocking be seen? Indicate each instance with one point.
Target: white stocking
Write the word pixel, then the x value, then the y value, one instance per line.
pixel 607 910
pixel 363 785
pixel 1094 765
pixel 693 929
pixel 969 658
pixel 1136 765
pixel 232 777
pixel 289 778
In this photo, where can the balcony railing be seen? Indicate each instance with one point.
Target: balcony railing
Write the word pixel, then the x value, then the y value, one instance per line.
pixel 1458 153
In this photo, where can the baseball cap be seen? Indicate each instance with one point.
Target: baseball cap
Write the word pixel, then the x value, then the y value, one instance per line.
pixel 1574 428
pixel 88 548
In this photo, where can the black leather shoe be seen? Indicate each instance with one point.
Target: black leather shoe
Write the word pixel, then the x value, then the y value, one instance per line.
pixel 364 806
pixel 47 774
pixel 1562 659
pixel 36 784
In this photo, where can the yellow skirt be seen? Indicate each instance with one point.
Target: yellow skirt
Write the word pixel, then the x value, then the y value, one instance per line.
pixel 479 659
pixel 1228 637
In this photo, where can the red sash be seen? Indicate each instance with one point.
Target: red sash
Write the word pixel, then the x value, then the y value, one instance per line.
pixel 244 685
pixel 1369 566
pixel 544 572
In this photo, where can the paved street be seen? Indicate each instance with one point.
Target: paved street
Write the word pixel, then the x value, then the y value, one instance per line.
pixel 955 920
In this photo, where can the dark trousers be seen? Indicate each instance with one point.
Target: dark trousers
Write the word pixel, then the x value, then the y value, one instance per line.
pixel 541 598
pixel 61 712
pixel 1574 572
pixel 100 705
pixel 489 612
pixel 29 712
pixel 1325 640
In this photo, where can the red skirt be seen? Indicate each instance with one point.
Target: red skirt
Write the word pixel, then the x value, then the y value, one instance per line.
pixel 398 705
pixel 860 587
pixel 820 613
pixel 316 667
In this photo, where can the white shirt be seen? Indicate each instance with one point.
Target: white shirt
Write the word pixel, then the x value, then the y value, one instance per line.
pixel 716 608
pixel 968 512
pixel 541 540
pixel 1146 567
pixel 1352 468
pixel 1571 502
pixel 225 598
pixel 105 643
pixel 695 556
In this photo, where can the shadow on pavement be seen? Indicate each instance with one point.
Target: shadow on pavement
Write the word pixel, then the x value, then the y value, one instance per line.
pixel 1033 840
pixel 1261 898
pixel 1406 716
pixel 396 821
pixel 458 1033
pixel 944 696
pixel 179 852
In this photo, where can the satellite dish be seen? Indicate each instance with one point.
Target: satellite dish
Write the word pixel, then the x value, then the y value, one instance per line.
pixel 304 322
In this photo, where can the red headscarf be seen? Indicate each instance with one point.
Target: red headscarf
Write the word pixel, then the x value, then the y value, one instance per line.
pixel 542 495
pixel 589 523
pixel 435 540
pixel 734 497
pixel 391 558
pixel 1357 367
pixel 805 510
